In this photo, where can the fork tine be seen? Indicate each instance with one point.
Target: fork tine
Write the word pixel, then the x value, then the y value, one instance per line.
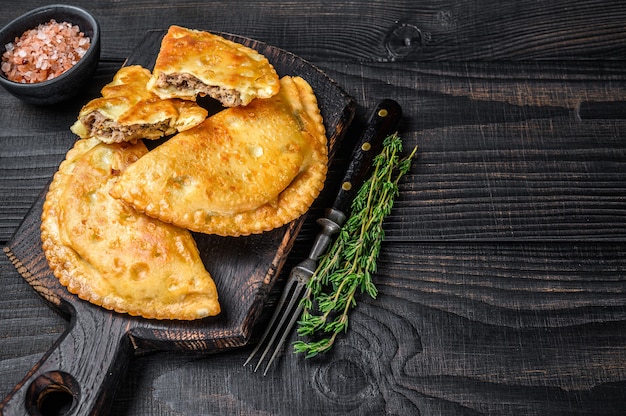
pixel 285 334
pixel 278 331
pixel 284 313
pixel 289 315
pixel 270 325
pixel 293 294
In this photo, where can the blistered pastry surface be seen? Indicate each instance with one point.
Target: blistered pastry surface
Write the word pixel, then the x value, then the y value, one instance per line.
pixel 109 254
pixel 243 170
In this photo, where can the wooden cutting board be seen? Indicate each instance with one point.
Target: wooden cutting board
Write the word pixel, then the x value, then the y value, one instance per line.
pixel 82 369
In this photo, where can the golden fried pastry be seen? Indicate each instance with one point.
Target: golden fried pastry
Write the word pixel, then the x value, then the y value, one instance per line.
pixel 113 256
pixel 192 62
pixel 127 111
pixel 243 170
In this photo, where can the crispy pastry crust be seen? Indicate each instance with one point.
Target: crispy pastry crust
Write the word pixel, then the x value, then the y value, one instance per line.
pixel 193 62
pixel 244 170
pixel 127 111
pixel 113 256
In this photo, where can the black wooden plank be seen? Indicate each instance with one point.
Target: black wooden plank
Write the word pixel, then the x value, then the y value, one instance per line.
pixel 379 30
pixel 499 157
pixel 503 328
pixel 542 179
pixel 457 329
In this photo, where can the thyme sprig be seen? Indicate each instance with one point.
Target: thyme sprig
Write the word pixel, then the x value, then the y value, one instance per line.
pixel 346 269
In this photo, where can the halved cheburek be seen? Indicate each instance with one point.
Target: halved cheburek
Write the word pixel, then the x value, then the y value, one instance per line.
pixel 243 170
pixel 127 111
pixel 192 62
pixel 113 256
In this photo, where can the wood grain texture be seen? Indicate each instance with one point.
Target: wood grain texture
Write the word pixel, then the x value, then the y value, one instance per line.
pixel 440 30
pixel 474 132
pixel 443 338
pixel 503 278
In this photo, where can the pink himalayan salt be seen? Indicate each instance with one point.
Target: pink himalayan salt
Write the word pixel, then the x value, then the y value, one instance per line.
pixel 45 52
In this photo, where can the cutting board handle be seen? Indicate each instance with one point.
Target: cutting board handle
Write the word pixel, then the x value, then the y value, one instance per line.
pixel 80 373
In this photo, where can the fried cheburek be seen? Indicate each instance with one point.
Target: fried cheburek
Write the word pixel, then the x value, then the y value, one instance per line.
pixel 127 111
pixel 193 62
pixel 113 256
pixel 243 170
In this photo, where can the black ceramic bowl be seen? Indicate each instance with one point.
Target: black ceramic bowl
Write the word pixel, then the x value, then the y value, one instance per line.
pixel 69 83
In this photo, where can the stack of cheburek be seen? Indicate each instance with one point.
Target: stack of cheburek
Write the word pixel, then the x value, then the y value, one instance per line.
pixel 117 220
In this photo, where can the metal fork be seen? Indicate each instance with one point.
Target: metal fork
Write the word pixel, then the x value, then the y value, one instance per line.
pixel 381 123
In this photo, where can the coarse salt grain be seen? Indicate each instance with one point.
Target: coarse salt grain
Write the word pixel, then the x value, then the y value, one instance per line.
pixel 44 53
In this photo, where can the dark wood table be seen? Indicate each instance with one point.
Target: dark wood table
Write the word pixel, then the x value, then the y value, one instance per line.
pixel 503 275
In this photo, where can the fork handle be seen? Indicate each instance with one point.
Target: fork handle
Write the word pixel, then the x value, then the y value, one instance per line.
pixel 382 122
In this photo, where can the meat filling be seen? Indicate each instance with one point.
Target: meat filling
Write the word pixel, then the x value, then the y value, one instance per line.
pixel 187 82
pixel 110 131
